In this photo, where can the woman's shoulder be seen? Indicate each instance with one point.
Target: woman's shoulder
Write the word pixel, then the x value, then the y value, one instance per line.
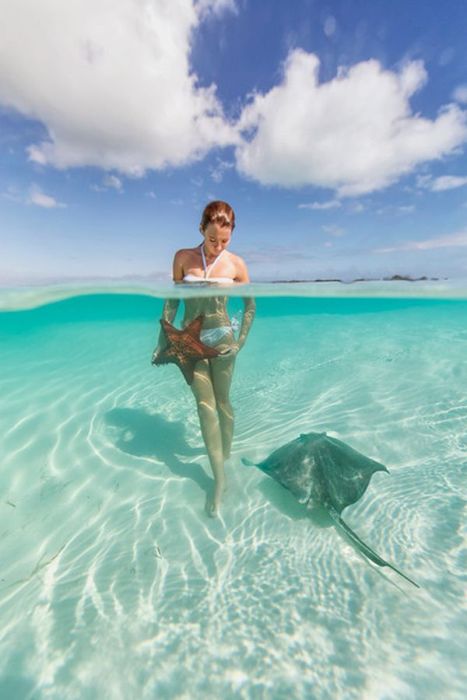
pixel 233 257
pixel 183 259
pixel 185 253
pixel 237 259
pixel 241 271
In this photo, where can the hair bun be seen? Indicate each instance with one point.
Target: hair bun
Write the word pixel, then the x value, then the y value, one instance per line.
pixel 217 212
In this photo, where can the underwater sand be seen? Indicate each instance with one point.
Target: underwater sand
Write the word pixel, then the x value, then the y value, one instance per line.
pixel 114 584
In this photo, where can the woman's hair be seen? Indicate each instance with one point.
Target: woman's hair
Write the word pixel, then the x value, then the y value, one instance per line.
pixel 217 212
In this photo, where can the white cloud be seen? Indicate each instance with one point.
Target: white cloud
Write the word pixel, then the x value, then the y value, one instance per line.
pixel 109 182
pixel 277 254
pixel 453 240
pixel 215 7
pixel 448 182
pixel 356 208
pixel 333 230
pixel 423 181
pixel 355 133
pixel 35 196
pixel 111 81
pixel 40 199
pixel 330 25
pixel 331 204
pixel 442 183
pixel 12 194
pixel 217 172
pixel 113 182
pixel 460 94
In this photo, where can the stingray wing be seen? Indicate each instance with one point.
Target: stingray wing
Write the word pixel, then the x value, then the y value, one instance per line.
pixel 291 467
pixel 319 469
pixel 343 471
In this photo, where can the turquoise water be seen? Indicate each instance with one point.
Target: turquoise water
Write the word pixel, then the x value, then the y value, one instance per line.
pixel 115 584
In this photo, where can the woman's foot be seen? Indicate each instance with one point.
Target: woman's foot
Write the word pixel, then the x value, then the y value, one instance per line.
pixel 213 500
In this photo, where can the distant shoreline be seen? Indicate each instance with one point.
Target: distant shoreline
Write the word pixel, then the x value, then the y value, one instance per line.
pixel 394 278
pixel 151 280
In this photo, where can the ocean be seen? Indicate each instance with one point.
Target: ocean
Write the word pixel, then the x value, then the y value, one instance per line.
pixel 115 584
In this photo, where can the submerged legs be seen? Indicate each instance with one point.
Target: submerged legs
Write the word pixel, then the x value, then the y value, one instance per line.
pixel 211 385
pixel 221 373
pixel 210 428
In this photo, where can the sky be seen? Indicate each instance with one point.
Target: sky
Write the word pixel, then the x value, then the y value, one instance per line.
pixel 337 130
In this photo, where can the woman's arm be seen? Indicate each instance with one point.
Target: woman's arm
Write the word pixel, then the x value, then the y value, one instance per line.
pixel 243 277
pixel 241 272
pixel 177 266
pixel 171 305
pixel 247 320
pixel 169 310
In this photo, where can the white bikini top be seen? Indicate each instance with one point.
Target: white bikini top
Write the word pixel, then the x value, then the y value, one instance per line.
pixel 207 271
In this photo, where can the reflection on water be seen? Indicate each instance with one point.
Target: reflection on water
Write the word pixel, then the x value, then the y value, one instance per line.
pixel 113 579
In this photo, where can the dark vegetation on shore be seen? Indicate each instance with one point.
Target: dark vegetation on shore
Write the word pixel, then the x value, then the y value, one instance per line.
pixel 394 278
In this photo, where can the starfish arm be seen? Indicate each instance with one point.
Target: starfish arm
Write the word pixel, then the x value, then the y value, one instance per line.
pixel 194 328
pixel 161 358
pixel 188 371
pixel 184 347
pixel 170 331
pixel 208 352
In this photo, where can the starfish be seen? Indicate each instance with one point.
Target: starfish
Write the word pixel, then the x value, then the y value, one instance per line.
pixel 184 347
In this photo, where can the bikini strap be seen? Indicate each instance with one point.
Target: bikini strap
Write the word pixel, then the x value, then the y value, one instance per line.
pixel 203 257
pixel 208 269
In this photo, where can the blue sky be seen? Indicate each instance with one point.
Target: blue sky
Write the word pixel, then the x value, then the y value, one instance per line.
pixel 337 130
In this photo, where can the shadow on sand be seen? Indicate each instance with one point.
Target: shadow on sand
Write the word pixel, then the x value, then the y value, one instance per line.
pixel 287 504
pixel 150 435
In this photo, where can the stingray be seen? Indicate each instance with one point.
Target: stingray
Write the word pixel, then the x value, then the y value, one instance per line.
pixel 322 471
pixel 184 347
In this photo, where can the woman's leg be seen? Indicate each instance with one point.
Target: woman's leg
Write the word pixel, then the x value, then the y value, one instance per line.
pixel 209 421
pixel 221 372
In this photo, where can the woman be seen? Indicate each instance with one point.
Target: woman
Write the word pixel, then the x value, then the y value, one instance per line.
pixel 211 262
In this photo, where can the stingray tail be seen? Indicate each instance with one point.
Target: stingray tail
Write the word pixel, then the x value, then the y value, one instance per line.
pixel 364 548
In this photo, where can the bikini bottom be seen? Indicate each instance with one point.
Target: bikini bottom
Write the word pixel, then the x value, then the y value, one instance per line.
pixel 213 336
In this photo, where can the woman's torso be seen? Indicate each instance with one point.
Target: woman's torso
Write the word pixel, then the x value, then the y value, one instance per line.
pixel 219 271
pixel 213 310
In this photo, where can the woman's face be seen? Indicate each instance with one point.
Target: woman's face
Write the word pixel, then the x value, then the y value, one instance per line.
pixel 216 237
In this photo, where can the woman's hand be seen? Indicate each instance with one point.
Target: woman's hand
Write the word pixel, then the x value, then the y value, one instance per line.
pixel 232 350
pixel 155 355
pixel 160 347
